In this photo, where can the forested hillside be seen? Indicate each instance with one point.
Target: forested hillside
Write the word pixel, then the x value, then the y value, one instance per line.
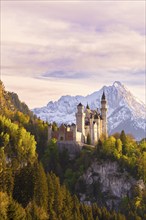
pixel 37 181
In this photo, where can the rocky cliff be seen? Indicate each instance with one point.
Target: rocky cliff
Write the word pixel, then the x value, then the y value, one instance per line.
pixel 106 184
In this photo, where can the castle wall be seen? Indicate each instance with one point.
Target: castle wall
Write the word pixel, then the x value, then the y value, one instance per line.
pixel 94 134
pixel 91 130
pixel 87 130
pixel 78 136
pixel 99 127
pixel 69 136
pixel 63 134
pixel 68 128
pixel 104 125
pixel 87 112
pixel 74 130
pixel 55 134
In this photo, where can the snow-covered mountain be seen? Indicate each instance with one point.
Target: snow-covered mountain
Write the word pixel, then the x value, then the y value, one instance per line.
pixel 125 112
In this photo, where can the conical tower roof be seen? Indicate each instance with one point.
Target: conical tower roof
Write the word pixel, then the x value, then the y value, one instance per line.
pixel 103 96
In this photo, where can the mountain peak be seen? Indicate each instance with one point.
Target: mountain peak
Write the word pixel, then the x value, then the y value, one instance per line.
pixel 124 111
pixel 117 84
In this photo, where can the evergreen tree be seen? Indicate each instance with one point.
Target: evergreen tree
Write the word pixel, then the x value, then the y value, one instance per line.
pixel 50 159
pixel 4 202
pixel 51 197
pixel 15 211
pixel 76 208
pixel 96 211
pixel 67 205
pixel 87 212
pixel 24 185
pixel 40 186
pixel 123 138
pixel 34 212
pixel 58 197
pixel 6 180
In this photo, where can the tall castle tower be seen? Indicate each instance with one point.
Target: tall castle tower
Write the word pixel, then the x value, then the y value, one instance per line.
pixel 80 119
pixel 104 115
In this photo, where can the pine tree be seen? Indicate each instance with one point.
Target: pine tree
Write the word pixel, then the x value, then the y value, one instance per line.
pixel 58 197
pixel 40 186
pixel 67 205
pixel 24 185
pixel 123 137
pixel 96 211
pixel 15 211
pixel 4 202
pixel 6 179
pixel 51 197
pixel 34 212
pixel 76 208
pixel 124 141
pixel 87 212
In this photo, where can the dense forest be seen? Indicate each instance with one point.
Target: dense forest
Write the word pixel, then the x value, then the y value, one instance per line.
pixel 37 181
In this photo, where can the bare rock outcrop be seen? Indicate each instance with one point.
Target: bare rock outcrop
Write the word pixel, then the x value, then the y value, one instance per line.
pixel 104 182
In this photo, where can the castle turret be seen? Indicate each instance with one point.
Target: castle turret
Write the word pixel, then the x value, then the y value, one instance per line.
pixel 80 119
pixel 87 107
pixel 104 115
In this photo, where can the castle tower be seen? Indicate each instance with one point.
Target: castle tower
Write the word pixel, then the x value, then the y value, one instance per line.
pixel 104 115
pixel 98 122
pixel 80 119
pixel 74 130
pixel 94 133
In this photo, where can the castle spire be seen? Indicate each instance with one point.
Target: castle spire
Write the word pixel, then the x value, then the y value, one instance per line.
pixel 87 106
pixel 104 114
pixel 103 96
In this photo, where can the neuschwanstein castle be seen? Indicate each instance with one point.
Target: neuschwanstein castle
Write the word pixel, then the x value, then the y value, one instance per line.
pixel 88 123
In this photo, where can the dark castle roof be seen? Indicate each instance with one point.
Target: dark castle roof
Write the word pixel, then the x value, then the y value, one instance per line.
pixel 103 96
pixel 80 104
pixel 87 106
pixel 96 116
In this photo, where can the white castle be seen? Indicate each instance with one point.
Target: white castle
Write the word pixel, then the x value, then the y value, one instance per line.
pixel 90 125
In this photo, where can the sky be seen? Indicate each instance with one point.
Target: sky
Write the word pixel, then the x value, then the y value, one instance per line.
pixel 55 48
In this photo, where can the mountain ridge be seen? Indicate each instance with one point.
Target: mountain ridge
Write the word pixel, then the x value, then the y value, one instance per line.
pixel 125 112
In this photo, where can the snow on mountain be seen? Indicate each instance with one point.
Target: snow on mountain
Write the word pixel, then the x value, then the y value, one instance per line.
pixel 124 110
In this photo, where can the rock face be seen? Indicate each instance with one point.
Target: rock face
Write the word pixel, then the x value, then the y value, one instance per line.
pixel 72 147
pixel 104 183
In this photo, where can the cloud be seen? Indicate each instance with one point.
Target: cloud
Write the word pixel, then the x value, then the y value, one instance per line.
pixel 91 42
pixel 70 75
pixel 36 92
pixel 107 50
